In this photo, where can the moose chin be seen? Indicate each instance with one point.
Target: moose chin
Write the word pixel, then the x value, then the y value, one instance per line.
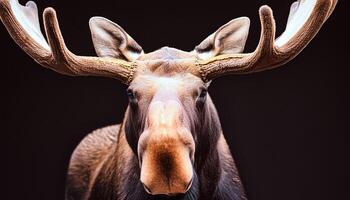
pixel 170 144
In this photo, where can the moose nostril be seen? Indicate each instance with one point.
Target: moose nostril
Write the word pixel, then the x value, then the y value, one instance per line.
pixel 147 189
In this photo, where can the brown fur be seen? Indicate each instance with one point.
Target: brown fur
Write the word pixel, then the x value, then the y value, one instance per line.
pixel 104 166
pixel 166 129
pixel 97 149
pixel 87 159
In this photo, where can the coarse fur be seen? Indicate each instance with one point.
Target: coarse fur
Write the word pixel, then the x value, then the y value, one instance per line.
pixel 105 165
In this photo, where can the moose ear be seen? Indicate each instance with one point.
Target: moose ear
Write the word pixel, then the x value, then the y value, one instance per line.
pixel 110 40
pixel 229 39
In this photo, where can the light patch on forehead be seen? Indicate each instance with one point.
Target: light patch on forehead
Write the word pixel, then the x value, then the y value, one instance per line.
pixel 164 114
pixel 155 83
pixel 167 82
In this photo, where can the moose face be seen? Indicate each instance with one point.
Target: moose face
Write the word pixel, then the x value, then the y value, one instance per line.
pixel 161 128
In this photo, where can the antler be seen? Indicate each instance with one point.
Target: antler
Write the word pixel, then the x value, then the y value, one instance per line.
pixel 305 20
pixel 23 25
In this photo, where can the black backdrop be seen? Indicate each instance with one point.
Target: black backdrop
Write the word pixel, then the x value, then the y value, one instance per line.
pixel 286 127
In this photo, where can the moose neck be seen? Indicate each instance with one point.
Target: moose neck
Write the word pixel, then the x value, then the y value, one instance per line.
pixel 207 130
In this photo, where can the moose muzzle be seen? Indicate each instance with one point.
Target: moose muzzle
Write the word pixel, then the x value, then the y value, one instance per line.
pixel 166 150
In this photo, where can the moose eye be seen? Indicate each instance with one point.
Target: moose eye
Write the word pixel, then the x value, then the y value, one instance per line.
pixel 202 96
pixel 131 96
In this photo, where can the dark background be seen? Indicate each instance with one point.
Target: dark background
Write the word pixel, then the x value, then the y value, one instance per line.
pixel 286 127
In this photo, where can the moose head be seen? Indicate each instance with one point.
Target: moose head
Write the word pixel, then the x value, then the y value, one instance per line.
pixel 171 125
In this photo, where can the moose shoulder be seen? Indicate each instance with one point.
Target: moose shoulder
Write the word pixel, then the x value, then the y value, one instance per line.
pixel 170 144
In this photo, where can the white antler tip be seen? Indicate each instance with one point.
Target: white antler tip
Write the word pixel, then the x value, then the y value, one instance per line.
pixel 31 4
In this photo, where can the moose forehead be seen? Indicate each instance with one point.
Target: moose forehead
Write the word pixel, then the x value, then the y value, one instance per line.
pixel 167 53
pixel 167 62
pixel 166 86
pixel 166 71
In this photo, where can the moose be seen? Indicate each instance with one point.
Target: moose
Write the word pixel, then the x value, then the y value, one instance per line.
pixel 170 144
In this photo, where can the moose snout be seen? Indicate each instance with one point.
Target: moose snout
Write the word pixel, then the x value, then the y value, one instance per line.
pixel 157 192
pixel 166 150
pixel 166 173
pixel 166 168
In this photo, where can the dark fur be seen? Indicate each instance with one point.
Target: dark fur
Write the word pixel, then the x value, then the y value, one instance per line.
pixel 118 176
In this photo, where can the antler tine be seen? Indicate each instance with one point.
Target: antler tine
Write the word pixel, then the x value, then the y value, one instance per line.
pixel 23 25
pixel 82 65
pixel 305 20
pixel 54 36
